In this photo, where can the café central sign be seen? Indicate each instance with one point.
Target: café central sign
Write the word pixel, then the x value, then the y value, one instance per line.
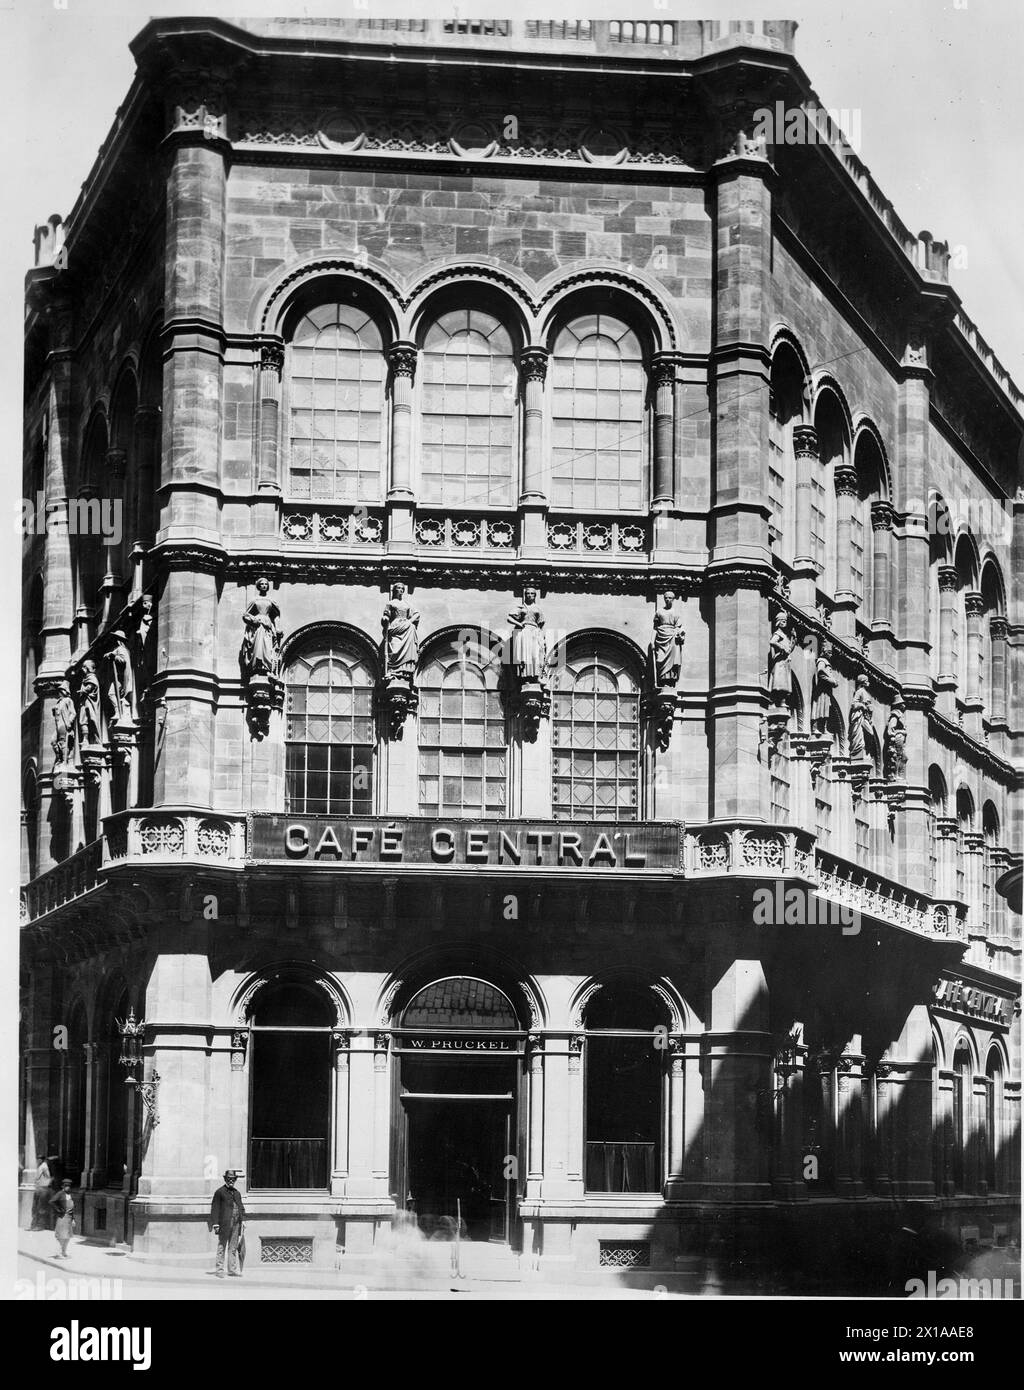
pixel 965 998
pixel 500 844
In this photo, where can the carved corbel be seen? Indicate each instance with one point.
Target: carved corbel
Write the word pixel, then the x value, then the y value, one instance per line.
pixel 534 702
pixel 239 1048
pixel 401 699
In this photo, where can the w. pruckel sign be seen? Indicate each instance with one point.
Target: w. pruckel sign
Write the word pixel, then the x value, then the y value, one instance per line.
pixel 500 844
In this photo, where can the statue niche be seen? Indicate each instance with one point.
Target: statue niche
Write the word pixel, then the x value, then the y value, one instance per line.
pixel 665 660
pixel 528 662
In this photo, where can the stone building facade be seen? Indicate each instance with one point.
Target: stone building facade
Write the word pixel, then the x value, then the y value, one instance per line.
pixel 541 730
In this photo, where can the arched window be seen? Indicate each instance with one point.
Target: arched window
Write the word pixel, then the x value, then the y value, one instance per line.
pixel 990 899
pixel 468 403
pixel 463 764
pixel 936 808
pixel 291 1078
pixel 336 400
pixel 329 739
pixel 995 1124
pixel 965 825
pixel 785 410
pixel 833 454
pixel 624 1090
pixel 968 681
pixel 962 1074
pixel 993 644
pixel 869 467
pixel 598 417
pixel 595 736
pixel 90 558
pixel 30 815
pixel 33 637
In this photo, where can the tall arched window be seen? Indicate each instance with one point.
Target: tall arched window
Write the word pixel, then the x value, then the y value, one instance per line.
pixel 595 736
pixel 990 899
pixel 993 644
pixel 995 1123
pixel 624 1090
pixel 468 403
pixel 833 453
pixel 965 825
pixel 936 808
pixel 329 739
pixel 785 411
pixel 598 417
pixel 869 467
pixel 336 399
pixel 463 764
pixel 962 1073
pixel 290 1105
pixel 90 557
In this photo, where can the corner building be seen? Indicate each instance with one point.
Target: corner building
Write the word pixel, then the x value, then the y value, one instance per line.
pixel 642 951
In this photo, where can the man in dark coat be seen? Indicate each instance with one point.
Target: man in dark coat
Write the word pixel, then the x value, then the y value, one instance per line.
pixel 226 1213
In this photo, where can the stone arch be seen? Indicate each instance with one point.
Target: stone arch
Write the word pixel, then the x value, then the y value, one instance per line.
pixel 244 995
pixel 480 282
pixel 270 310
pixel 866 429
pixel 461 958
pixel 637 296
pixel 306 637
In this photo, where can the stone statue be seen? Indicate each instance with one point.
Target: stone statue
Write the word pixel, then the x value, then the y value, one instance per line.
pixel 64 719
pixel 121 692
pixel 667 646
pixel 862 713
pixel 88 705
pixel 780 650
pixel 261 645
pixel 823 696
pixel 529 645
pixel 894 753
pixel 400 622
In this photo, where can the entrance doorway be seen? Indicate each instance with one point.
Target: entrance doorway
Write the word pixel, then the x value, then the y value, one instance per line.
pixel 457 1164
pixel 457 1122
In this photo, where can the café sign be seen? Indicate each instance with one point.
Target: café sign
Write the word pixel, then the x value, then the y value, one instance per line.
pixel 501 844
pixel 962 997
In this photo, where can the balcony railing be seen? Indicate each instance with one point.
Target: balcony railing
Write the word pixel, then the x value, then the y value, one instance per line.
pixel 170 835
pixel 76 876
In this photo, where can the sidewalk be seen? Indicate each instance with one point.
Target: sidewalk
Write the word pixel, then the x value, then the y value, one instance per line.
pixel 424 1274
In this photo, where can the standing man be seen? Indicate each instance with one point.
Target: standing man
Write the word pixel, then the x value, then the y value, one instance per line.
pixel 226 1213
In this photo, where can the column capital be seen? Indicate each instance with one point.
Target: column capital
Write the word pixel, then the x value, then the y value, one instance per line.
pixel 402 359
pixel 116 461
pixel 805 441
pixel 948 578
pixel 272 357
pixel 998 627
pixel 883 516
pixel 664 366
pixel 844 479
pixel 974 604
pixel 533 363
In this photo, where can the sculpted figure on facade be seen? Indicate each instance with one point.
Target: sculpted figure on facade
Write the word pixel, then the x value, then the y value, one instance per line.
pixel 121 691
pixel 400 622
pixel 780 651
pixel 261 645
pixel 862 714
pixel 64 720
pixel 894 753
pixel 88 705
pixel 529 645
pixel 667 645
pixel 823 699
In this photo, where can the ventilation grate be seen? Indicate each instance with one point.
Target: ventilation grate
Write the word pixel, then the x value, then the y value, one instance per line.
pixel 625 1254
pixel 286 1250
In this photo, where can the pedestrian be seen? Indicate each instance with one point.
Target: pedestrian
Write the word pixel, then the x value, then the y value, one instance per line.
pixel 64 1205
pixel 226 1215
pixel 41 1197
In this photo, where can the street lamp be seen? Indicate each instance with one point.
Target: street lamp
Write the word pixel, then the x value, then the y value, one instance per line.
pixel 133 1033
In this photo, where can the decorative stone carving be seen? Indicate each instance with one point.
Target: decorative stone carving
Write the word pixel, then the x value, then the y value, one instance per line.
pixel 528 661
pixel 665 663
pixel 64 721
pixel 260 658
pixel 400 622
pixel 894 758
pixel 121 691
pixel 88 705
pixel 862 711
pixel 239 1047
pixel 823 700
pixel 780 652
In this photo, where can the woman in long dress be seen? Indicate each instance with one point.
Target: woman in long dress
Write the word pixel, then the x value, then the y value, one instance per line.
pixel 64 1205
pixel 667 647
pixel 400 622
pixel 825 683
pixel 261 646
pixel 529 648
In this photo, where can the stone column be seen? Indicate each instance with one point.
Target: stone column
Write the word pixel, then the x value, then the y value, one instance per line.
pixel 401 497
pixel 535 1135
pixel 146 454
pixel 381 1112
pixel 362 1102
pixel 947 674
pixel 663 376
pixel 737 1075
pixel 973 850
pixel 340 1107
pixel 740 633
pixel 533 499
pixel 882 1129
pixel 271 366
pixel 946 838
pixel 850 1124
pixel 998 627
pixel 844 478
pixel 974 608
pixel 911 1108
pixel 803 586
pixel 883 519
pixel 788 1181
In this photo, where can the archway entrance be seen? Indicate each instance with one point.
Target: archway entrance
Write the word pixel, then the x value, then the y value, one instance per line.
pixel 459 1044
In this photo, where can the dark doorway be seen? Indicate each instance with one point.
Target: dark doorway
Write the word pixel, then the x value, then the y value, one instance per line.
pixel 457 1161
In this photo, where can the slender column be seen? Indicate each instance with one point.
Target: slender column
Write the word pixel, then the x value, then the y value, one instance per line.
pixel 788 1180
pixel 974 606
pixel 805 458
pixel 997 627
pixel 535 1138
pixel 973 849
pixel 270 369
pixel 844 477
pixel 533 498
pixel 946 836
pixel 850 1124
pixel 576 1140
pixel 147 467
pixel 883 519
pixel 663 373
pixel 401 495
pixel 882 1129
pixel 381 1106
pixel 676 1108
pixel 947 610
pixel 339 1160
pixel 945 1134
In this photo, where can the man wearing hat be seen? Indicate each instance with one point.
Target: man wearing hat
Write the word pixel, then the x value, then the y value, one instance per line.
pixel 226 1213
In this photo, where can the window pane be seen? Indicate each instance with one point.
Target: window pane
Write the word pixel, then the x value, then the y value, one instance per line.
pixel 462 758
pixel 595 713
pixel 329 737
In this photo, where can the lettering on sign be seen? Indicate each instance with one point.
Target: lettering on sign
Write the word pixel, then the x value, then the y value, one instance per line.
pixel 496 844
pixel 965 998
pixel 450 1044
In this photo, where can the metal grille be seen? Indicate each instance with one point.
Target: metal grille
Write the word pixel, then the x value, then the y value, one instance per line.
pixel 286 1250
pixel 625 1254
